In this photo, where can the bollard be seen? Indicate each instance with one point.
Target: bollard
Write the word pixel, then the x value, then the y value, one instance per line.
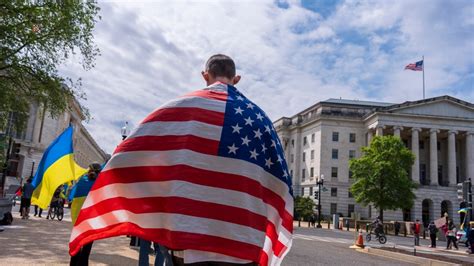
pixel 424 233
pixel 347 223
pixel 405 231
pixel 329 224
pixel 366 228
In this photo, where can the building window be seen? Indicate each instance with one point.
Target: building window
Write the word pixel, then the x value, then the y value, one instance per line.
pixel 333 208
pixel 438 145
pixel 312 138
pixel 405 142
pixel 352 137
pixel 335 153
pixel 312 154
pixel 334 192
pixel 349 194
pixel 304 156
pixel 291 173
pixel 293 142
pixel 423 179
pixel 311 191
pixel 350 209
pixel 302 191
pixel 311 172
pixel 304 141
pixel 292 158
pixel 350 174
pixel 335 136
pixel 441 182
pixel 303 174
pixel 334 172
pixel 421 144
pixel 352 154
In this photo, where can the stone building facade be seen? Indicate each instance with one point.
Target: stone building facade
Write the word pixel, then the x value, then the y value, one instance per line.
pixel 320 141
pixel 41 129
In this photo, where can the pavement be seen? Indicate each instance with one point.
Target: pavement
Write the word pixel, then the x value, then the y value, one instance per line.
pixel 38 241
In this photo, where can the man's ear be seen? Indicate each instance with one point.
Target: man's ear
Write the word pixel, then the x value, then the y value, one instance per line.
pixel 205 76
pixel 236 79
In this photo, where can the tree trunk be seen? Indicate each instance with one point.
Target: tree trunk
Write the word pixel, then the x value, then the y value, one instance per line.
pixel 381 214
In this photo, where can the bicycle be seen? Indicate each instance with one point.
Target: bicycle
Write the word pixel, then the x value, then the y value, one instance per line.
pixel 57 211
pixel 380 237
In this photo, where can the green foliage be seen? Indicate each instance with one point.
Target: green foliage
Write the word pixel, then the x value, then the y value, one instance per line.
pixel 381 175
pixel 36 37
pixel 303 208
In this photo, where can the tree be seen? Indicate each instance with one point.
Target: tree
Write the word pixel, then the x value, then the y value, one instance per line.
pixel 381 175
pixel 303 208
pixel 36 37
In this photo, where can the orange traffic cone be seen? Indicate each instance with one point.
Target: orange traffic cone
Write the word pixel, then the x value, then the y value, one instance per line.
pixel 359 242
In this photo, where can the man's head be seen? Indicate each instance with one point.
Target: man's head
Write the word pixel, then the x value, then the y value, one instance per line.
pixel 417 220
pixel 29 180
pixel 94 170
pixel 221 68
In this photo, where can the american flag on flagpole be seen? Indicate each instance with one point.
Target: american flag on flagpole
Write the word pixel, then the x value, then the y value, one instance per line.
pixel 418 66
pixel 204 173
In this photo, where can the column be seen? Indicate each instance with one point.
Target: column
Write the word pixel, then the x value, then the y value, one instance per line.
pixel 452 157
pixel 415 168
pixel 379 130
pixel 397 130
pixel 434 157
pixel 470 155
pixel 370 135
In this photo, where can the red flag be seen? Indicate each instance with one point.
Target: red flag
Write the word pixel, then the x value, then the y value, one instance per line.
pixel 204 173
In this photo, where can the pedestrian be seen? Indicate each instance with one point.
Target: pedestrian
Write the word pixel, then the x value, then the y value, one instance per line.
pixel 162 255
pixel 416 232
pixel 312 220
pixel 38 212
pixel 433 230
pixel 451 235
pixel 79 194
pixel 26 199
pixel 397 228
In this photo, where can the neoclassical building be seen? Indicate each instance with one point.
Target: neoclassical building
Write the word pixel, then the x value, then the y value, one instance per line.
pixel 320 141
pixel 41 129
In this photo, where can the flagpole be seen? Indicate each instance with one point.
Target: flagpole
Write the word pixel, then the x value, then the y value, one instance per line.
pixel 423 59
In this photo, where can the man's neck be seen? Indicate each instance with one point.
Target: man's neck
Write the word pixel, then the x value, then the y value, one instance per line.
pixel 220 79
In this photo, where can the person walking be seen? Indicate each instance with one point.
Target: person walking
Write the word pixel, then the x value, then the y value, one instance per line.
pixel 26 199
pixel 433 230
pixel 162 255
pixel 397 228
pixel 451 235
pixel 416 232
pixel 38 212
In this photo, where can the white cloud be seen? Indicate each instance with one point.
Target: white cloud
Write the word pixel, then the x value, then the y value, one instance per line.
pixel 289 58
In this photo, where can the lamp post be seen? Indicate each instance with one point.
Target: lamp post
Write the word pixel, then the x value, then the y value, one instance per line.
pixel 125 131
pixel 320 183
pixel 32 168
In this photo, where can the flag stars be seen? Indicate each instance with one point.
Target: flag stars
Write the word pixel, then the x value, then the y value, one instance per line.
pixel 250 106
pixel 285 174
pixel 253 154
pixel 258 134
pixel 245 141
pixel 263 148
pixel 249 121
pixel 233 149
pixel 260 116
pixel 238 110
pixel 280 160
pixel 267 129
pixel 236 128
pixel 273 143
pixel 268 162
pixel 240 98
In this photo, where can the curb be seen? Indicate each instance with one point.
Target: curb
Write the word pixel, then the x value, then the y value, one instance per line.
pixel 404 257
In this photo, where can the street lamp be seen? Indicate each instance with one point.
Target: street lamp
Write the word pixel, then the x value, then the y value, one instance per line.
pixel 32 168
pixel 320 183
pixel 125 131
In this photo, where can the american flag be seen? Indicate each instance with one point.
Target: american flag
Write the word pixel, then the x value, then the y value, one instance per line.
pixel 204 173
pixel 418 66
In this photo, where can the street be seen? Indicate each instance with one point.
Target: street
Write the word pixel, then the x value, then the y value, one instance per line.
pixel 41 241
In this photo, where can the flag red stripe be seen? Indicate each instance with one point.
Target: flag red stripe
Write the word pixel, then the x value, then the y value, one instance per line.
pixel 210 94
pixel 197 176
pixel 171 239
pixel 176 114
pixel 166 143
pixel 177 205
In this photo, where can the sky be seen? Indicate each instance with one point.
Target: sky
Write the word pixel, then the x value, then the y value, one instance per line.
pixel 290 54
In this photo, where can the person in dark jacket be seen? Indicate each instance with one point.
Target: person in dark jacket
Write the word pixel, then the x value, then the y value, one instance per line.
pixel 397 228
pixel 433 230
pixel 451 235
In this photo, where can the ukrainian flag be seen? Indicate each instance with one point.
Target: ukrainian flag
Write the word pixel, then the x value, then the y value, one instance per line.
pixel 56 168
pixel 78 195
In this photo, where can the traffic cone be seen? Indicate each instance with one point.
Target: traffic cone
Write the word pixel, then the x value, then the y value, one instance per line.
pixel 359 242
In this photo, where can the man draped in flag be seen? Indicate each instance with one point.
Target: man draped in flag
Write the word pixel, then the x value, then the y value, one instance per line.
pixel 56 168
pixel 203 175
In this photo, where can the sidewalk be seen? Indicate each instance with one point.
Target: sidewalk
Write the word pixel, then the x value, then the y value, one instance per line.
pixel 38 241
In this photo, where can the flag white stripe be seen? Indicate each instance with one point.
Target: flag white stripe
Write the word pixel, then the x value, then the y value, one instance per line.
pixel 203 161
pixel 194 256
pixel 194 128
pixel 173 222
pixel 195 102
pixel 183 189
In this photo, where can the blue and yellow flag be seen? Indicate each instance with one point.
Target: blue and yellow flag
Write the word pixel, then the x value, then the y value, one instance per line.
pixel 56 168
pixel 78 195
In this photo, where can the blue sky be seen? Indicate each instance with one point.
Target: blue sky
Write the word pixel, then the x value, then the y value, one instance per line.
pixel 291 54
